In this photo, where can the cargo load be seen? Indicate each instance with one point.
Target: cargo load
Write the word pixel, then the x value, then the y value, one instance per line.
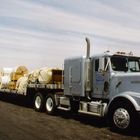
pixel 9 76
pixel 21 85
pixel 6 71
pixel 12 85
pixel 4 81
pixel 33 76
pixel 46 76
pixel 18 72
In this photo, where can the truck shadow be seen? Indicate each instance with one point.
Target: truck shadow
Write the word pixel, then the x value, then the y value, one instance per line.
pixel 95 122
pixel 15 99
pixel 83 118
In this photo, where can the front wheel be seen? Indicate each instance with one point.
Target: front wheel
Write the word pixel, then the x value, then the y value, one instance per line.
pixel 122 117
pixel 50 104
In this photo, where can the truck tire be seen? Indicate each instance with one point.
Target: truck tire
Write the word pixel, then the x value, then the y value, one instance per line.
pixel 50 104
pixel 122 117
pixel 39 102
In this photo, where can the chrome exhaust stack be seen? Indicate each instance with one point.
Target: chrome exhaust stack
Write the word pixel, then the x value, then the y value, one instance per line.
pixel 88 48
pixel 88 69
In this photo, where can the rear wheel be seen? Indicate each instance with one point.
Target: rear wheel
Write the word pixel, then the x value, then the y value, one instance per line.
pixel 50 104
pixel 39 102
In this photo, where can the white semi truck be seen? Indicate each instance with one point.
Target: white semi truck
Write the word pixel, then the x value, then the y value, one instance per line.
pixel 106 85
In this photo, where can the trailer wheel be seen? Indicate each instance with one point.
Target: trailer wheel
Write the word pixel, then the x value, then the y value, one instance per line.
pixel 122 117
pixel 50 104
pixel 39 102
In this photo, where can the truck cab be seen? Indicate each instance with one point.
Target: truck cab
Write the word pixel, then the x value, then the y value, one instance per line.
pixel 105 85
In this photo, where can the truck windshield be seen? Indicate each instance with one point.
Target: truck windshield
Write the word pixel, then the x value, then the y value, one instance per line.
pixel 125 63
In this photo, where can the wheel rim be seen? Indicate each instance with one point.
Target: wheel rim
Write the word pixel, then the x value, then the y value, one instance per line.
pixel 38 102
pixel 49 104
pixel 121 118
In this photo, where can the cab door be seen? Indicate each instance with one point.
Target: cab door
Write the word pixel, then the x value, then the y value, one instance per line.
pixel 101 77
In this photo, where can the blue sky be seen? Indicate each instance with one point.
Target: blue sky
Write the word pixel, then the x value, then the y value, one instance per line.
pixel 39 33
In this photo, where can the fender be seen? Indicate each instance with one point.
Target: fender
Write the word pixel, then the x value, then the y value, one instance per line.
pixel 132 97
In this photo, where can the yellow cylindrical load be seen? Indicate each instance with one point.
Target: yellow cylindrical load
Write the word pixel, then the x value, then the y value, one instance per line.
pixel 7 71
pixel 14 78
pixel 13 75
pixel 12 85
pixel 1 72
pixel 21 85
pixel 18 72
pixel 45 76
pixel 15 72
pixel 21 70
pixel 4 81
pixel 50 76
pixel 33 76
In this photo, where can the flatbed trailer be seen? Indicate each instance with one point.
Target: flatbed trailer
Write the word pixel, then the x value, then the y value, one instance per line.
pixel 36 87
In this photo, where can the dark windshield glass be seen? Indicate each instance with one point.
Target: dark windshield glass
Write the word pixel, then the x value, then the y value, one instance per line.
pixel 134 64
pixel 121 63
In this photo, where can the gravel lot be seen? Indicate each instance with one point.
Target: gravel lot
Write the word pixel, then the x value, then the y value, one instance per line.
pixel 18 121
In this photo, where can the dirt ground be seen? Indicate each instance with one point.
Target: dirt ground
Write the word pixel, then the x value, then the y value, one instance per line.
pixel 18 121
